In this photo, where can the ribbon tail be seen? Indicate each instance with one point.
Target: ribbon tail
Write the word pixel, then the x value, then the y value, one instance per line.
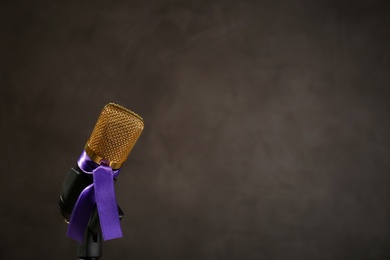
pixel 106 202
pixel 81 214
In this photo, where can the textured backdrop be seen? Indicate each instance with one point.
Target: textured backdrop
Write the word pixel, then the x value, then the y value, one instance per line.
pixel 266 125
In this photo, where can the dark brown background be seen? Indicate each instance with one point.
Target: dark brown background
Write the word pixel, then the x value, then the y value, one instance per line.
pixel 267 125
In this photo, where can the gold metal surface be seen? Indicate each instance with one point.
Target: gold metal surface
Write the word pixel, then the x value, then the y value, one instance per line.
pixel 116 132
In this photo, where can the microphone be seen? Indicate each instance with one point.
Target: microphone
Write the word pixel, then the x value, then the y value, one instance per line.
pixel 88 195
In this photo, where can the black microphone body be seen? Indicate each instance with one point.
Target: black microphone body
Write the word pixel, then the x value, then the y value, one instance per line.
pixel 72 187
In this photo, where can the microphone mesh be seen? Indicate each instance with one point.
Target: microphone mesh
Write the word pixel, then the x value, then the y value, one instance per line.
pixel 114 135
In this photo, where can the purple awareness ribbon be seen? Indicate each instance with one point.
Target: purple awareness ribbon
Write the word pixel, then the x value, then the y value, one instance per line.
pixel 102 193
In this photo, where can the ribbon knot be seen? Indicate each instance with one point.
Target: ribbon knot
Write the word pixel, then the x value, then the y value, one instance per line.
pixel 100 193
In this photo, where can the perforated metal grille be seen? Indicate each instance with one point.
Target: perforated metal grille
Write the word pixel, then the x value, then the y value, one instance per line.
pixel 116 132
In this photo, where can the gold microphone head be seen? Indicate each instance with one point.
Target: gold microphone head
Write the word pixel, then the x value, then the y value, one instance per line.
pixel 116 132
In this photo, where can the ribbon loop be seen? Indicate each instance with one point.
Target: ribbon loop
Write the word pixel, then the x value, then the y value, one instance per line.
pixel 81 213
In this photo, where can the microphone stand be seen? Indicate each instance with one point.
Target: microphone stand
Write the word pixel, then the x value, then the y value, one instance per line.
pixel 91 247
